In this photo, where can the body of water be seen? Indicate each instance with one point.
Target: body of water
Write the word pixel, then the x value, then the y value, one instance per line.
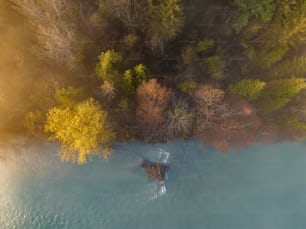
pixel 262 186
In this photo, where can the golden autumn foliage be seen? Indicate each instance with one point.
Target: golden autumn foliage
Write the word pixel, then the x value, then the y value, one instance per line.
pixel 80 130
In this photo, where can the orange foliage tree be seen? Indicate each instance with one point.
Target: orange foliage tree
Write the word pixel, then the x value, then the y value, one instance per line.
pixel 152 100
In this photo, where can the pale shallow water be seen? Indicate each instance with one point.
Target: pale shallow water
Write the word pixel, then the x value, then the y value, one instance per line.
pixel 262 186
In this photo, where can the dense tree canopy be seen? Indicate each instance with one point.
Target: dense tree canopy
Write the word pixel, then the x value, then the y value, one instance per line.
pixel 278 93
pixel 161 69
pixel 262 9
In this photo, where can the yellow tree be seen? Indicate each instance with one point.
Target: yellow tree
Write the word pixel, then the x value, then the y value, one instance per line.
pixel 80 129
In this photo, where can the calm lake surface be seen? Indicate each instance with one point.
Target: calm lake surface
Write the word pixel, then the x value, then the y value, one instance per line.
pixel 262 186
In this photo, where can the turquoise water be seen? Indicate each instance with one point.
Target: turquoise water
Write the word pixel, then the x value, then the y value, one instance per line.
pixel 263 186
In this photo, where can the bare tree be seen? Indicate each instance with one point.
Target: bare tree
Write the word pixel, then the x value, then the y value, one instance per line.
pixel 224 122
pixel 56 27
pixel 179 120
pixel 208 98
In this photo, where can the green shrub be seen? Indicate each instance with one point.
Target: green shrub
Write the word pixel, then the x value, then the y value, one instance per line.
pixel 205 44
pixel 215 65
pixel 187 86
pixel 108 65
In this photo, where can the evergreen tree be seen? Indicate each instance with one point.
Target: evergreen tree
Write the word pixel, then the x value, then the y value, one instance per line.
pixel 132 78
pixel 278 93
pixel 295 66
pixel 248 89
pixel 165 20
pixel 262 9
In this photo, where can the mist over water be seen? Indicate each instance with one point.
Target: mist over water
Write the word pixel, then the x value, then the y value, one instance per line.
pixel 262 186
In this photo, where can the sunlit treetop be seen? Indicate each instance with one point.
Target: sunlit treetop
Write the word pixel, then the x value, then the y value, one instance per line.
pixel 132 78
pixel 108 65
pixel 248 89
pixel 80 129
pixel 278 93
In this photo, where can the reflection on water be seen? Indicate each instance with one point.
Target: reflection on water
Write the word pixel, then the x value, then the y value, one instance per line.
pixel 259 187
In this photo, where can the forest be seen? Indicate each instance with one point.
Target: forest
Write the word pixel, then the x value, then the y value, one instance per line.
pixel 90 73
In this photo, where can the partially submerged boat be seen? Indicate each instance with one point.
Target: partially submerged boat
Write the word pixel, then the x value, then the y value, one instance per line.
pixel 157 171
